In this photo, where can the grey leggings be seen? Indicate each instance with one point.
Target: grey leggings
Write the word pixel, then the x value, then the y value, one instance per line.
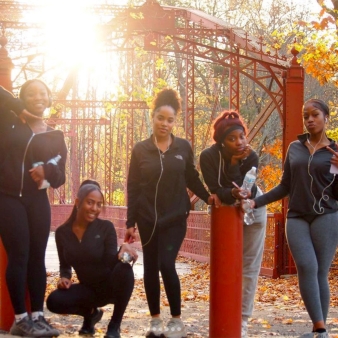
pixel 313 241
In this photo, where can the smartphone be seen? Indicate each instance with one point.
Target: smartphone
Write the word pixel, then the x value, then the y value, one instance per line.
pixel 333 169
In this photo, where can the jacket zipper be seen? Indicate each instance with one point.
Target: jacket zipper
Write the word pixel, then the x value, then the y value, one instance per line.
pixel 24 157
pixel 23 163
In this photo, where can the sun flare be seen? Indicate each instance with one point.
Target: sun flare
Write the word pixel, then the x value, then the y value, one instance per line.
pixel 72 36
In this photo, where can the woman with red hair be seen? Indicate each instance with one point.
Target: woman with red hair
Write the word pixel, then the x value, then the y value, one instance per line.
pixel 225 162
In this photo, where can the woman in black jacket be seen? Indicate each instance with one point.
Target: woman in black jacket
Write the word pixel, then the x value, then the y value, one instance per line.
pixel 161 169
pixel 32 157
pixel 89 245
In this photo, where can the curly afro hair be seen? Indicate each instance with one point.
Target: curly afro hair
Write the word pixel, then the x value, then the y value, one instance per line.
pixel 167 97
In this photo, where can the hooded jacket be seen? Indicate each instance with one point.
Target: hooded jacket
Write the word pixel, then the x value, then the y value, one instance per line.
pixel 20 149
pixel 219 174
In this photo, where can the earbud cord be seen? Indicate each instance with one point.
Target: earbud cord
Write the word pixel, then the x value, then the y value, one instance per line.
pixel 324 197
pixel 156 190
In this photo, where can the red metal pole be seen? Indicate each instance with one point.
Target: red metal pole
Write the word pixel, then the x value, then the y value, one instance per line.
pixel 293 123
pixel 6 65
pixel 6 309
pixel 226 272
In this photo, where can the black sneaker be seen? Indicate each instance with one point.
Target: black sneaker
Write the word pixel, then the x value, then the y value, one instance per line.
pixel 88 326
pixel 43 324
pixel 113 331
pixel 26 327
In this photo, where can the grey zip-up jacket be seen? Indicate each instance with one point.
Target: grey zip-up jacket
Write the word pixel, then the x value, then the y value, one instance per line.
pixel 306 194
pixel 20 149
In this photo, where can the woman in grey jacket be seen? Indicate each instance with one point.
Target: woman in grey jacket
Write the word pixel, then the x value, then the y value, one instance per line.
pixel 312 217
pixel 225 162
pixel 32 157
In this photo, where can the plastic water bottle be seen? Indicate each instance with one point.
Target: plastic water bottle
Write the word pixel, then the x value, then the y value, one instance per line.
pixel 249 181
pixel 249 216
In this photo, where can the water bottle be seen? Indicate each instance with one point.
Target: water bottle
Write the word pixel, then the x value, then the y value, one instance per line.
pixel 249 216
pixel 249 181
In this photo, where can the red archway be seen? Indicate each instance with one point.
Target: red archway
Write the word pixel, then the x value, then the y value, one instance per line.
pixel 186 35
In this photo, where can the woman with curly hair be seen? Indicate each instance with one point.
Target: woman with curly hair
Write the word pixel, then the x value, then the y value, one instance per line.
pixel 161 169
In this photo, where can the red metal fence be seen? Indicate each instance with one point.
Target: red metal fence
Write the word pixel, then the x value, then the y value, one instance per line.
pixel 277 260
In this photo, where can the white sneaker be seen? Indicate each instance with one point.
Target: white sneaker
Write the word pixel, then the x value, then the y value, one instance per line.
pixel 321 335
pixel 156 327
pixel 244 331
pixel 175 329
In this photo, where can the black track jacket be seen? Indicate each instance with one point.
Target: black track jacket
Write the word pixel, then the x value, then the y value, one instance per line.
pixel 146 180
pixel 20 148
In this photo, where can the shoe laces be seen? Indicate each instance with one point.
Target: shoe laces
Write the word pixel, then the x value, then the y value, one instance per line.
pixel 175 324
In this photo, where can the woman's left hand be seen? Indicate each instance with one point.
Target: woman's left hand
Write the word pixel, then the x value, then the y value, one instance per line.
pixel 235 159
pixel 125 247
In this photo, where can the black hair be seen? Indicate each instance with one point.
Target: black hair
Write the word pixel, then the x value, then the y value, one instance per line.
pixel 86 187
pixel 319 104
pixel 226 120
pixel 90 181
pixel 167 97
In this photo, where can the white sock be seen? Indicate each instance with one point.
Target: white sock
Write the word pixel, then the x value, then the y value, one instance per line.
pixel 20 316
pixel 36 314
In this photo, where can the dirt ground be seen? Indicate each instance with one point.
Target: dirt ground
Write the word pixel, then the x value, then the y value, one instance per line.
pixel 278 312
pixel 267 321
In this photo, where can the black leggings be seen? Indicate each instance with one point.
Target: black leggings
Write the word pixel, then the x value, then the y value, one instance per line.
pixel 24 230
pixel 80 299
pixel 159 255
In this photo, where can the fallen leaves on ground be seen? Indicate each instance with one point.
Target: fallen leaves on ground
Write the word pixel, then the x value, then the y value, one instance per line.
pixel 195 286
pixel 278 304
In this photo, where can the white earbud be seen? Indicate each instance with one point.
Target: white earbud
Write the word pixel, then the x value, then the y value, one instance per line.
pixel 325 119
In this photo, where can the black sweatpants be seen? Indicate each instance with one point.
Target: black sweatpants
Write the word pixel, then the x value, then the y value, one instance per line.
pixel 80 299
pixel 24 230
pixel 160 251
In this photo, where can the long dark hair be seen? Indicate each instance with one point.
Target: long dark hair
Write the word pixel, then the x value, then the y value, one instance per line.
pixel 86 187
pixel 321 105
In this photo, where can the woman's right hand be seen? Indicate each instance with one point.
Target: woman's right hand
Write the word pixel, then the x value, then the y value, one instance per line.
pixel 130 235
pixel 64 283
pixel 26 115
